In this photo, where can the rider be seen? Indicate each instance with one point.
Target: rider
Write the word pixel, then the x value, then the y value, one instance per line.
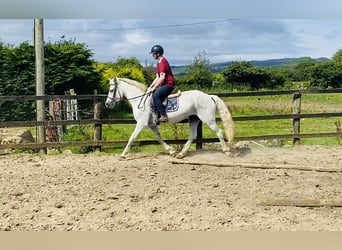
pixel 164 82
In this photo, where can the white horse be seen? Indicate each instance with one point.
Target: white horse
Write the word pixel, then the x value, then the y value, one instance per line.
pixel 193 105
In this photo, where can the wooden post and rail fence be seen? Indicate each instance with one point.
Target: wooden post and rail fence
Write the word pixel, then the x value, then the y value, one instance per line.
pixel 98 121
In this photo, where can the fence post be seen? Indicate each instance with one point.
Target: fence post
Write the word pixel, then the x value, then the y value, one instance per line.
pixel 199 136
pixel 296 109
pixel 97 125
pixel 40 76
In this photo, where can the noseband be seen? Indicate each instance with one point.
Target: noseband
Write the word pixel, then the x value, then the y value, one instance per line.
pixel 116 100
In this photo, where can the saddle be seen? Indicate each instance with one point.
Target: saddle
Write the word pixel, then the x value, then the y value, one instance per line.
pixel 170 102
pixel 175 93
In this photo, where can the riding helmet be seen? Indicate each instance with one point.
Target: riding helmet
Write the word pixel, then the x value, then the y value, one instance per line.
pixel 157 49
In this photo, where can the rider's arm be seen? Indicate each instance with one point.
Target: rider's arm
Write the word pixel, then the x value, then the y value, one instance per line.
pixel 157 81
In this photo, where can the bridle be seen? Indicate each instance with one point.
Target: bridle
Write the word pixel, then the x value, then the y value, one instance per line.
pixel 116 90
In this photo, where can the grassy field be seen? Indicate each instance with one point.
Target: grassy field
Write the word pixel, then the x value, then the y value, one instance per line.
pixel 244 106
pixel 271 105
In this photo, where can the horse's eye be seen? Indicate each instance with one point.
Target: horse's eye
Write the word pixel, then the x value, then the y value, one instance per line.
pixel 111 91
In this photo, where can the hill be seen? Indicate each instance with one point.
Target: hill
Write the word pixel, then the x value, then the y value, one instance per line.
pixel 290 62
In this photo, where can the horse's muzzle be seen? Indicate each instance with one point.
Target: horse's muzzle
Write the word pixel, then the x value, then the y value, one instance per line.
pixel 109 104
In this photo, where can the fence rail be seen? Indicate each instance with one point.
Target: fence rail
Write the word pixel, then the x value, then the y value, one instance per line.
pixel 296 116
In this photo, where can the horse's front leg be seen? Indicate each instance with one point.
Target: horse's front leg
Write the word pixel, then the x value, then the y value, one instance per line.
pixel 155 130
pixel 138 128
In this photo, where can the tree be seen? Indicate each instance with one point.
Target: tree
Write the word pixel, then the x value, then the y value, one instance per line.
pixel 302 70
pixel 17 75
pixel 149 73
pixel 337 57
pixel 17 70
pixel 246 76
pixel 123 67
pixel 198 73
pixel 277 77
pixel 6 67
pixel 236 74
pixel 126 68
pixel 219 82
pixel 69 65
pixel 326 75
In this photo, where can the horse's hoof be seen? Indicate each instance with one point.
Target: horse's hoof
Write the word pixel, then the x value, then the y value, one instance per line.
pixel 227 150
pixel 228 153
pixel 180 156
pixel 122 157
pixel 173 153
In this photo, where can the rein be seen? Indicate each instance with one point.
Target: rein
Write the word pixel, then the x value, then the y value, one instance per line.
pixel 132 98
pixel 135 97
pixel 141 100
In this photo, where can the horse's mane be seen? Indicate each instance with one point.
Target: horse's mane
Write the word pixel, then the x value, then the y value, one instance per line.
pixel 134 83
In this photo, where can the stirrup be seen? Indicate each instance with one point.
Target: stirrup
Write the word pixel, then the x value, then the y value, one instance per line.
pixel 163 118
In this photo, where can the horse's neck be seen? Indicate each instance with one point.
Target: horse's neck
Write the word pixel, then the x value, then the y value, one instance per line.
pixel 133 94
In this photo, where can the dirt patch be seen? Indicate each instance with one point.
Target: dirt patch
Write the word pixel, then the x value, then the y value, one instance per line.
pixel 148 193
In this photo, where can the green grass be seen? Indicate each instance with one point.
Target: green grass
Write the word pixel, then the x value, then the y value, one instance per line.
pixel 270 105
pixel 282 104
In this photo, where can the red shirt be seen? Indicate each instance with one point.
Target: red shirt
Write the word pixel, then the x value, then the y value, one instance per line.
pixel 163 66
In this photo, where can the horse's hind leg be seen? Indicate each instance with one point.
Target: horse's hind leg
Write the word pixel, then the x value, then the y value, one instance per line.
pixel 193 124
pixel 155 130
pixel 213 126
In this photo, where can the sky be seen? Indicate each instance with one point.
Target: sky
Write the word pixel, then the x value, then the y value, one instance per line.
pixel 183 39
pixel 225 30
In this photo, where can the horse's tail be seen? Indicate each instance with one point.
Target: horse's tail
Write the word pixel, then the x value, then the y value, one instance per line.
pixel 226 118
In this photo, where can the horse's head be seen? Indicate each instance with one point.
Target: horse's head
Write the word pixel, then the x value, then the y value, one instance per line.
pixel 114 95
